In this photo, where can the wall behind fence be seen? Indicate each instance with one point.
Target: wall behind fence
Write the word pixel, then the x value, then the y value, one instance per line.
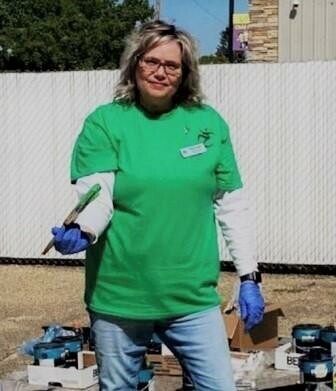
pixel 307 32
pixel 282 119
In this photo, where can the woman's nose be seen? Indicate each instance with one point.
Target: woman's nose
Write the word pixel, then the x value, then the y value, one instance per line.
pixel 161 72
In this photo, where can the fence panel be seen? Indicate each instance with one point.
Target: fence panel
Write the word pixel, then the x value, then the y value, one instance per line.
pixel 282 119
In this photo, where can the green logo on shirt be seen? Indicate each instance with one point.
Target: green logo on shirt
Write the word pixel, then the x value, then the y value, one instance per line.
pixel 204 137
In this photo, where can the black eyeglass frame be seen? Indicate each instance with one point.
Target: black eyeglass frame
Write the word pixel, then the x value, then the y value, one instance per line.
pixel 175 70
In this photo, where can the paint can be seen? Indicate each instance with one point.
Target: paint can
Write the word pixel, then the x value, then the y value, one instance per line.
pixel 72 345
pixel 327 337
pixel 49 353
pixel 316 367
pixel 305 337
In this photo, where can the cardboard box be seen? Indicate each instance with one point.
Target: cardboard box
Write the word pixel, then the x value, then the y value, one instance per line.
pixel 165 351
pixel 86 358
pixel 65 377
pixel 264 336
pixel 286 359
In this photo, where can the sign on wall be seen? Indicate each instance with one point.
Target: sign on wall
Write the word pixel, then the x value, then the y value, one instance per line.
pixel 240 32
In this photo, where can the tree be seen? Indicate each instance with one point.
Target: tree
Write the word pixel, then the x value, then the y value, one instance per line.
pixel 50 35
pixel 212 59
pixel 223 48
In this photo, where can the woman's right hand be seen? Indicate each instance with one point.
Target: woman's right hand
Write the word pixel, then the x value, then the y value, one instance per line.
pixel 70 239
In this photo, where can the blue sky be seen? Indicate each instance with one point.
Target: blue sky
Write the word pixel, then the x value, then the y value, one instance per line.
pixel 204 19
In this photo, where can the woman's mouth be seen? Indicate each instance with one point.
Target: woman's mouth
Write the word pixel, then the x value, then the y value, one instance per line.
pixel 157 85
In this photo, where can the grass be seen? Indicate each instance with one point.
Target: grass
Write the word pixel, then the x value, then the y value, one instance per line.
pixel 32 296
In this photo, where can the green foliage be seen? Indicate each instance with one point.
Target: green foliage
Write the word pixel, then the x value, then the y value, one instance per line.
pixel 212 59
pixel 51 35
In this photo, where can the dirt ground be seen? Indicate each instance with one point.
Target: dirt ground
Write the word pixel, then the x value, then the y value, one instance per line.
pixel 32 296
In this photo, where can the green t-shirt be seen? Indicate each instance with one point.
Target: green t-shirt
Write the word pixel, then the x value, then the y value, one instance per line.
pixel 158 257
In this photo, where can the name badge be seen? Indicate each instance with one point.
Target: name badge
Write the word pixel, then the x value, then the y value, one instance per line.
pixel 193 150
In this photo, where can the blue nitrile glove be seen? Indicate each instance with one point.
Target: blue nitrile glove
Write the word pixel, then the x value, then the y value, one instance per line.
pixel 70 239
pixel 251 304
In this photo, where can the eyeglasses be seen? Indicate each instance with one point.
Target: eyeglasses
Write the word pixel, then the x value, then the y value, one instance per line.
pixel 152 64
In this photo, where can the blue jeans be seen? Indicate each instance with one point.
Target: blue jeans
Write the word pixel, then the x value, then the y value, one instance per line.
pixel 198 340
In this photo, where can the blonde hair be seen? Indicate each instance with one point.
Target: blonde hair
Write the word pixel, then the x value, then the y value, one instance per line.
pixel 146 37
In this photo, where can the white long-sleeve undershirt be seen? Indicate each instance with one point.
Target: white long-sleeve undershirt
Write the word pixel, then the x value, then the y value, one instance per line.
pixel 231 210
pixel 97 215
pixel 236 225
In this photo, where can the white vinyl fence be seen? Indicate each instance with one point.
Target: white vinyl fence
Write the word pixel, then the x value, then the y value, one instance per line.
pixel 282 119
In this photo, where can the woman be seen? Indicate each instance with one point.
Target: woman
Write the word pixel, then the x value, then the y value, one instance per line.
pixel 166 167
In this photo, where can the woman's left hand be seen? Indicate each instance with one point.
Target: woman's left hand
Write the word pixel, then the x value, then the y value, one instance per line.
pixel 251 304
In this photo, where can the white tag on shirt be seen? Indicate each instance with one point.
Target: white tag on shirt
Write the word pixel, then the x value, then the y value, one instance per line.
pixel 193 150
